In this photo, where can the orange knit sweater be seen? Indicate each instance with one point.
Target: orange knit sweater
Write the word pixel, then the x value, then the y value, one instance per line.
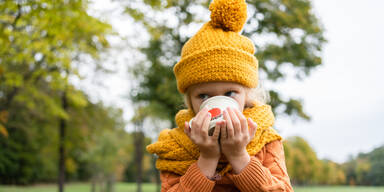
pixel 265 172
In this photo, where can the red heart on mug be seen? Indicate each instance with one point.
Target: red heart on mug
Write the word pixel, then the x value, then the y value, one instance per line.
pixel 215 112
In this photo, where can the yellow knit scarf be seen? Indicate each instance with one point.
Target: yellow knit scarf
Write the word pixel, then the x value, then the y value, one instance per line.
pixel 177 152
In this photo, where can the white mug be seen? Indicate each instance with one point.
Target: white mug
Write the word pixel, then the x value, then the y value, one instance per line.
pixel 216 106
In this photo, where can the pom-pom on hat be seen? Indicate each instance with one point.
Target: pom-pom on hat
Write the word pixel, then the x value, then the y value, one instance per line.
pixel 217 52
pixel 230 15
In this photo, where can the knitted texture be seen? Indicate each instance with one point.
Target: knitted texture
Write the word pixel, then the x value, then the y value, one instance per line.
pixel 217 52
pixel 177 152
pixel 229 15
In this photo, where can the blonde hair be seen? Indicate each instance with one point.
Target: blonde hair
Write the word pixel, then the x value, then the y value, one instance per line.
pixel 257 95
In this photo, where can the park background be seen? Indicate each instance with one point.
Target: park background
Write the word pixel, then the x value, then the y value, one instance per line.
pixel 86 85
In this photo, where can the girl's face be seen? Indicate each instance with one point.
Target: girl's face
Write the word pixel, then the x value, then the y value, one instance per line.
pixel 198 93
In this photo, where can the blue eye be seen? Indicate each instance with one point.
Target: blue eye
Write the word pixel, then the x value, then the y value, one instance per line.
pixel 203 96
pixel 230 94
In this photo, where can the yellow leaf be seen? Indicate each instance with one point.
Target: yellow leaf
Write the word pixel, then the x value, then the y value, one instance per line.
pixel 3 116
pixel 3 131
pixel 70 165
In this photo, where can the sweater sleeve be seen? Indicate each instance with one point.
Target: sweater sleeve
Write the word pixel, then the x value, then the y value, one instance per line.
pixel 268 173
pixel 192 180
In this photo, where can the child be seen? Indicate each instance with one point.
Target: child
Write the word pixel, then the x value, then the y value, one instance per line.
pixel 248 155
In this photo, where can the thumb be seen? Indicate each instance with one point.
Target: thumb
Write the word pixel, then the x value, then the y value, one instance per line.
pixel 252 127
pixel 187 129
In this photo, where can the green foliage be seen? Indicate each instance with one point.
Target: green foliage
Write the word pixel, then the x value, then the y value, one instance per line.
pixel 96 140
pixel 130 171
pixel 302 162
pixel 297 31
pixel 304 168
pixel 39 41
pixel 3 120
pixel 366 168
pixel 95 143
pixel 331 173
pixel 41 45
pixel 22 154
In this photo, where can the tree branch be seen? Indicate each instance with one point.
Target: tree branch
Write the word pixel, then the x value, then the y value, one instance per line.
pixel 18 15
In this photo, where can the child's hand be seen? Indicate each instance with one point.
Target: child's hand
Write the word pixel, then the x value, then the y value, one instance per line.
pixel 198 133
pixel 236 136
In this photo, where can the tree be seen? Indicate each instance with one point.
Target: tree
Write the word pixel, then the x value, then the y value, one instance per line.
pixel 366 168
pixel 304 168
pixel 142 113
pixel 96 145
pixel 376 174
pixel 138 121
pixel 298 39
pixel 131 168
pixel 330 173
pixel 302 162
pixel 41 43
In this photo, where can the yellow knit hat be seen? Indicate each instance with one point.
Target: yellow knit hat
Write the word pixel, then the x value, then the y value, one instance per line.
pixel 218 52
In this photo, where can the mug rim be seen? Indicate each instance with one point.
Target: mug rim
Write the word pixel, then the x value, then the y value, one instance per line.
pixel 219 96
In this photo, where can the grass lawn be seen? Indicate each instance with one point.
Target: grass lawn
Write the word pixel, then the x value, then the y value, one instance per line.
pixel 131 187
pixel 76 187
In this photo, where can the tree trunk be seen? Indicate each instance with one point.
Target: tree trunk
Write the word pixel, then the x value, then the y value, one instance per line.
pixel 139 139
pixel 93 184
pixel 61 178
pixel 110 183
pixel 157 174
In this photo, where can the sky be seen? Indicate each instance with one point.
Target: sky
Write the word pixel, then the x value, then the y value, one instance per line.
pixel 344 96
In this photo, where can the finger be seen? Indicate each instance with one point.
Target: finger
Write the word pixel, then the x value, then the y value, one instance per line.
pixel 243 121
pixel 187 129
pixel 235 122
pixel 194 128
pixel 252 127
pixel 229 124
pixel 198 120
pixel 205 125
pixel 217 130
pixel 223 130
pixel 200 114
